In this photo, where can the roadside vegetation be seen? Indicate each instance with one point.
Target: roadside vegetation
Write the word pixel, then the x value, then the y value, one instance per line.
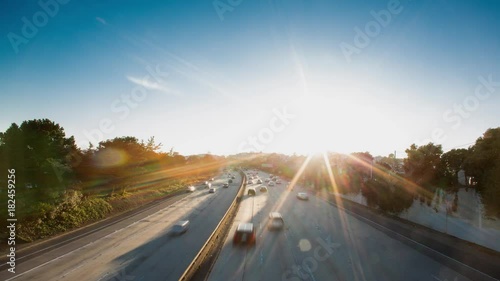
pixel 60 187
pixel 391 184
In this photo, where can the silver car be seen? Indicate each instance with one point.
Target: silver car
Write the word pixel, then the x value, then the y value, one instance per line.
pixel 180 227
pixel 276 221
pixel 303 196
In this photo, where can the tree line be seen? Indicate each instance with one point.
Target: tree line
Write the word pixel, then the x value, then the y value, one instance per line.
pixel 55 178
pixel 51 170
pixel 428 166
pixel 391 185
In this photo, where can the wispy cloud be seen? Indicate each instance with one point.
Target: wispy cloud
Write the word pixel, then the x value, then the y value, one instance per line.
pixel 151 85
pixel 191 71
pixel 101 20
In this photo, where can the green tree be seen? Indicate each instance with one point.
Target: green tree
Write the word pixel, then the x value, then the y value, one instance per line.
pixel 42 156
pixel 483 155
pixel 361 161
pixel 452 162
pixel 423 164
pixel 391 161
pixel 483 164
pixel 491 190
pixel 123 157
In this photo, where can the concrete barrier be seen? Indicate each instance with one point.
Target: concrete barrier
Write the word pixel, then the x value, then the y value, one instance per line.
pixel 204 260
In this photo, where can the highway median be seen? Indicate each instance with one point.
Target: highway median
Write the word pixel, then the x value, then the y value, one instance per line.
pixel 201 265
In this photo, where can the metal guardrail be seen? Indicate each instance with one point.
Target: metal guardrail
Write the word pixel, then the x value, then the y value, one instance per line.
pixel 215 238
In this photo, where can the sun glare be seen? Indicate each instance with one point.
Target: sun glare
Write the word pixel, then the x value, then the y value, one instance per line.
pixel 325 124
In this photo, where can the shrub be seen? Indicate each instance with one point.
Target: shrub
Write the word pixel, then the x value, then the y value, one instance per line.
pixel 71 212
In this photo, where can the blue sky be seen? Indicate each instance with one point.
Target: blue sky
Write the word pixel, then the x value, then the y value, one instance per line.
pixel 206 80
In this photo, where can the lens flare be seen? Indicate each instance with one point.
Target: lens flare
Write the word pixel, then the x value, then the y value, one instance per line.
pixel 111 158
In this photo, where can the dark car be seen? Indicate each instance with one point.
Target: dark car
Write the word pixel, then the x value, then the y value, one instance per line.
pixel 245 234
pixel 230 181
pixel 251 191
pixel 226 185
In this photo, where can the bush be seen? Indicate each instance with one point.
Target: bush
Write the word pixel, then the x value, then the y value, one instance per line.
pixel 72 212
pixel 388 197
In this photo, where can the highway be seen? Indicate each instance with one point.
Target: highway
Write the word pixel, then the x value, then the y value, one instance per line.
pixel 138 248
pixel 319 242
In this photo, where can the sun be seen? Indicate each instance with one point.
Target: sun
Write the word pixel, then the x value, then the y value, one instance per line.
pixel 323 124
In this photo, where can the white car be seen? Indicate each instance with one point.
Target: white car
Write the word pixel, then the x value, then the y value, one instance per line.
pixel 191 189
pixel 276 221
pixel 271 183
pixel 303 196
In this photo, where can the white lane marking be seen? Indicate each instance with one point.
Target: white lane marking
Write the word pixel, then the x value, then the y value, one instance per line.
pixel 103 276
pixel 73 269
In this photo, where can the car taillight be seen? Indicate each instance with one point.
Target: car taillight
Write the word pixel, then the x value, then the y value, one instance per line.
pixel 252 239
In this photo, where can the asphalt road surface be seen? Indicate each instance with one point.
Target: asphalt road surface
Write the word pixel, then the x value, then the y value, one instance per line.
pixel 138 248
pixel 319 242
